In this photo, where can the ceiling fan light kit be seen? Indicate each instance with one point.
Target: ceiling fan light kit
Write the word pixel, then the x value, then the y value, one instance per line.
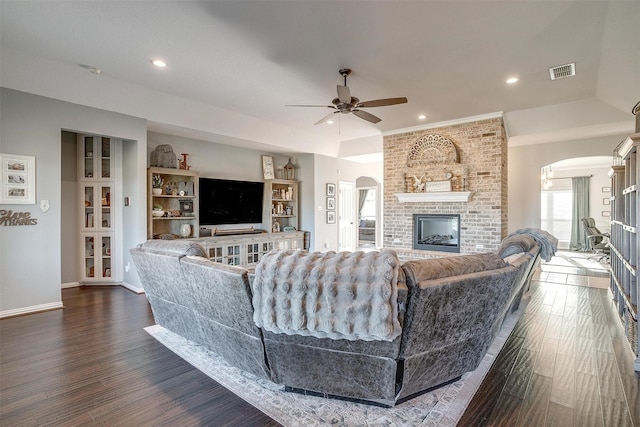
pixel 347 104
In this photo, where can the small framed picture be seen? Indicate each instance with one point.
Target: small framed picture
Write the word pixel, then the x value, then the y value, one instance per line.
pixel 606 201
pixel 18 179
pixel 331 217
pixel 606 189
pixel 186 206
pixel 267 167
pixel 606 213
pixel 331 203
pixel 331 189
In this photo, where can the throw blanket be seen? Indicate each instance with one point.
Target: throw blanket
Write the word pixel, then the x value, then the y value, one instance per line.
pixel 548 243
pixel 351 296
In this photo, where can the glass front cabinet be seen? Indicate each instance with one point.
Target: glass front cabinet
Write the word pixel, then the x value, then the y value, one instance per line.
pixel 97 192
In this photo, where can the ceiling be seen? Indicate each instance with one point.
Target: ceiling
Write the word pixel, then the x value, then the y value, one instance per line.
pixel 234 66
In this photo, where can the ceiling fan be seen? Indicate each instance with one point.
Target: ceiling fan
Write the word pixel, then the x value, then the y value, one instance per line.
pixel 346 104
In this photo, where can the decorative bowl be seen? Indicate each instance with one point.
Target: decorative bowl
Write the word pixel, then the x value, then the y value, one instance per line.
pixel 157 213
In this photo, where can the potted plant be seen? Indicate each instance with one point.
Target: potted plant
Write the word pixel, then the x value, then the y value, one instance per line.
pixel 157 210
pixel 156 183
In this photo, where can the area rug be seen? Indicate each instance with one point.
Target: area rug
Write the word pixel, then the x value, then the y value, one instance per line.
pixel 441 407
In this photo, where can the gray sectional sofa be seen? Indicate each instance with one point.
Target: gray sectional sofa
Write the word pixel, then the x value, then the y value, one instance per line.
pixel 396 329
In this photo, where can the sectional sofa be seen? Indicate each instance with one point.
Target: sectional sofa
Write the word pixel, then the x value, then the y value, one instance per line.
pixel 361 326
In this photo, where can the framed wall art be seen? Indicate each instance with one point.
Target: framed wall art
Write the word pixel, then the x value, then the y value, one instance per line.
pixel 331 217
pixel 331 203
pixel 267 167
pixel 18 179
pixel 331 190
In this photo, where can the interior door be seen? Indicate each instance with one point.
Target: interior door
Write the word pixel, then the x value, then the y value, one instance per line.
pixel 346 216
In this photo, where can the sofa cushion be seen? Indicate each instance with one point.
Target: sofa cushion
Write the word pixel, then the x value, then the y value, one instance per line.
pixel 328 295
pixel 429 269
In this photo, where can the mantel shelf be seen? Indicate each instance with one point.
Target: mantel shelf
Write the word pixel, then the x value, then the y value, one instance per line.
pixel 435 196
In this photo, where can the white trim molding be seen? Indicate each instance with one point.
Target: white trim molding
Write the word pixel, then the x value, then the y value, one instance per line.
pixel 132 288
pixel 435 196
pixel 30 310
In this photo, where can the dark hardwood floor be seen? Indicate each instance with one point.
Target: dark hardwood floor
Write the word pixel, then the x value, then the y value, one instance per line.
pixel 565 364
pixel 93 364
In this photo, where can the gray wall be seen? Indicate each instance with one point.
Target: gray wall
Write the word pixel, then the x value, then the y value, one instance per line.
pixel 30 256
pixel 524 173
pixel 69 231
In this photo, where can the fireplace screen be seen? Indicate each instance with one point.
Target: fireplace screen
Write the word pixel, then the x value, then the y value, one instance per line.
pixel 434 232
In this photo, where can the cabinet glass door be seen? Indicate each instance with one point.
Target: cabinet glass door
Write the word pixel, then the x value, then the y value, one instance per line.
pixel 89 207
pixel 88 152
pixel 106 256
pixel 105 192
pixel 105 158
pixel 89 257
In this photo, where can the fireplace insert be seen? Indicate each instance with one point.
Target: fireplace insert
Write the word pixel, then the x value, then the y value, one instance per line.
pixel 436 232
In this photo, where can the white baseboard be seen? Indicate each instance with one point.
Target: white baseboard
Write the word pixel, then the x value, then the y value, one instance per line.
pixel 132 288
pixel 70 285
pixel 30 310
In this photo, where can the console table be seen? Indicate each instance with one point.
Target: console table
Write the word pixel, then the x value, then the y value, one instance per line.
pixel 247 249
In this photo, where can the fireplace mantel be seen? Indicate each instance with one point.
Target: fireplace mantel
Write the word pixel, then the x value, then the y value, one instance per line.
pixel 434 196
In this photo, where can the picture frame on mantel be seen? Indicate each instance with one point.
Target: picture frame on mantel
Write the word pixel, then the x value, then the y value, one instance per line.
pixel 268 170
pixel 18 179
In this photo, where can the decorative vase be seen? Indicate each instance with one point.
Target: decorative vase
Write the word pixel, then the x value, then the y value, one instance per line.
pixel 185 230
pixel 156 191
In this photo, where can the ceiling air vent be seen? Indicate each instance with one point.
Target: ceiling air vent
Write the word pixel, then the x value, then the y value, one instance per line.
pixel 562 71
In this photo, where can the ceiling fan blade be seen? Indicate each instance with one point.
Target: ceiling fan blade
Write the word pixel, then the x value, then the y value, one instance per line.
pixel 298 105
pixel 325 118
pixel 366 116
pixel 383 102
pixel 344 94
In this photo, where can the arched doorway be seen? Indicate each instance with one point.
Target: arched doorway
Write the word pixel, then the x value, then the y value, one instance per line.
pixel 558 213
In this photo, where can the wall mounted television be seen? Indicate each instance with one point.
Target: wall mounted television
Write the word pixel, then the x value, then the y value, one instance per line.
pixel 225 201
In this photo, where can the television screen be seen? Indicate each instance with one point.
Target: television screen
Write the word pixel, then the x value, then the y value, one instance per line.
pixel 230 202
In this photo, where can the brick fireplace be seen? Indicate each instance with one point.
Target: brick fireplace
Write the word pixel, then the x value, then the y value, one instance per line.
pixel 468 157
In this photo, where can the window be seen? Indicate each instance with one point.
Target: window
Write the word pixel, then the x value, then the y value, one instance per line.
pixel 555 214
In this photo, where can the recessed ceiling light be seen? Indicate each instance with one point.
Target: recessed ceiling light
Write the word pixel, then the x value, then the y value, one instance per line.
pixel 512 80
pixel 422 117
pixel 330 122
pixel 158 63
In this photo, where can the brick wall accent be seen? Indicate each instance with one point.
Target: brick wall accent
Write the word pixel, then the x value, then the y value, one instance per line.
pixel 482 150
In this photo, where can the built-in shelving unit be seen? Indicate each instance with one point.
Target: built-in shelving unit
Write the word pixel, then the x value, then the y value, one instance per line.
pixel 281 212
pixel 98 207
pixel 625 257
pixel 172 207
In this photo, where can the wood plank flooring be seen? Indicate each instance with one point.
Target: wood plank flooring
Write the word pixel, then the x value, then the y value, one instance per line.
pixel 565 364
pixel 92 364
